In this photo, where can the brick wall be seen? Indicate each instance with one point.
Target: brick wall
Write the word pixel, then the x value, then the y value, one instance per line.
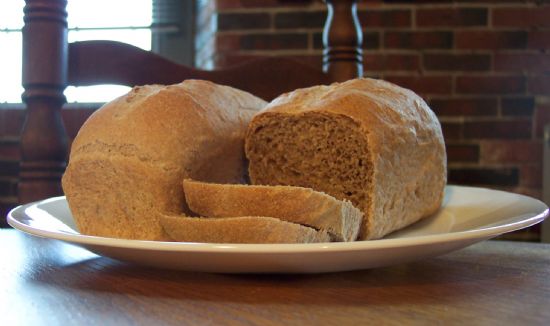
pixel 483 66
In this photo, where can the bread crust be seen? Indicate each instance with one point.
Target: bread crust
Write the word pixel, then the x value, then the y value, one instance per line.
pixel 404 137
pixel 242 229
pixel 128 159
pixel 293 204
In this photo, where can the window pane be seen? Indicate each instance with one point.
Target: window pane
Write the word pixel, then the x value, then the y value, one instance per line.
pixel 11 14
pixel 98 93
pixel 82 14
pixel 104 93
pixel 109 13
pixel 10 68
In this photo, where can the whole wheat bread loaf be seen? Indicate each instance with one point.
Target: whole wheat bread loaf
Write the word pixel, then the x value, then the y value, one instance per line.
pixel 298 205
pixel 242 229
pixel 365 140
pixel 129 158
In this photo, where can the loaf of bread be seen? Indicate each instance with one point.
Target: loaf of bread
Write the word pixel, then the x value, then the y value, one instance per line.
pixel 129 158
pixel 298 205
pixel 242 229
pixel 365 140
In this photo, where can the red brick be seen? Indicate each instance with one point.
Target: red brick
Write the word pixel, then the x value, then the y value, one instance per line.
pixel 539 84
pixel 498 129
pixel 233 21
pixel 451 130
pixel 530 175
pixel 452 17
pixel 484 176
pixel 510 151
pixel 237 4
pixel 236 58
pixel 279 41
pixel 385 18
pixel 538 40
pixel 462 152
pixel 465 106
pixel 542 118
pixel 423 84
pixel 522 62
pixel 371 40
pixel 227 42
pixel 300 19
pixel 521 17
pixel 227 4
pixel 418 40
pixel 391 62
pixel 457 62
pixel 517 106
pixel 413 1
pixel 480 40
pixel 497 1
pixel 279 3
pixel 490 84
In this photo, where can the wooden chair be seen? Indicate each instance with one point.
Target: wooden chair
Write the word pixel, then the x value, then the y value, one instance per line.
pixel 50 64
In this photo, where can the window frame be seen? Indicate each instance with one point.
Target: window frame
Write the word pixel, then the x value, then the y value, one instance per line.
pixel 172 39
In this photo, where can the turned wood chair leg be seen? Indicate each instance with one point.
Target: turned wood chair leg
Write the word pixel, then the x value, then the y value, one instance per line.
pixel 43 138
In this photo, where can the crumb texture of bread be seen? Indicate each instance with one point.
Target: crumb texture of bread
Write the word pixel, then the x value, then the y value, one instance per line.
pixel 128 159
pixel 293 204
pixel 243 229
pixel 371 142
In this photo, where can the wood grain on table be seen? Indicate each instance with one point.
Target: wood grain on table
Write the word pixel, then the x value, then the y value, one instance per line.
pixel 51 283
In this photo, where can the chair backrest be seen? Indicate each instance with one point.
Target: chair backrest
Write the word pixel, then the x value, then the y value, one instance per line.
pixel 50 64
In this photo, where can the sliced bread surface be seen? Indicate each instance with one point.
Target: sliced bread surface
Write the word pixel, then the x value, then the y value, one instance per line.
pixel 365 140
pixel 293 204
pixel 242 229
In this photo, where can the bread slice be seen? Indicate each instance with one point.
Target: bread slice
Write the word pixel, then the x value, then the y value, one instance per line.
pixel 293 204
pixel 244 229
pixel 368 141
pixel 128 159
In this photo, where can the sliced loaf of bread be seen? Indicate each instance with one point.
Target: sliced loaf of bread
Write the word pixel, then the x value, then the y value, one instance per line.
pixel 365 140
pixel 243 229
pixel 129 157
pixel 298 205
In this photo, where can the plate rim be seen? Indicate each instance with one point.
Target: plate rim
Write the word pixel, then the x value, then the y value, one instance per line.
pixel 197 247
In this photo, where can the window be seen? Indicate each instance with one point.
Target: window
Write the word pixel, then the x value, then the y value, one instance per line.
pixel 87 20
pixel 11 22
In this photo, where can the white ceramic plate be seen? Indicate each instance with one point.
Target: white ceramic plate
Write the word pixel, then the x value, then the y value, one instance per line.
pixel 468 215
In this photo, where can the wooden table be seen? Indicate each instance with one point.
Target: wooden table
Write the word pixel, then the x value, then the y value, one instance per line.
pixel 51 283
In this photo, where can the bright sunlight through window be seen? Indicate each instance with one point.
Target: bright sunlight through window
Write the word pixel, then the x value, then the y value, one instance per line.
pixel 87 20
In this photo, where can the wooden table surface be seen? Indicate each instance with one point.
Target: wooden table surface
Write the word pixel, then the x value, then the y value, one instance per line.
pixel 51 283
